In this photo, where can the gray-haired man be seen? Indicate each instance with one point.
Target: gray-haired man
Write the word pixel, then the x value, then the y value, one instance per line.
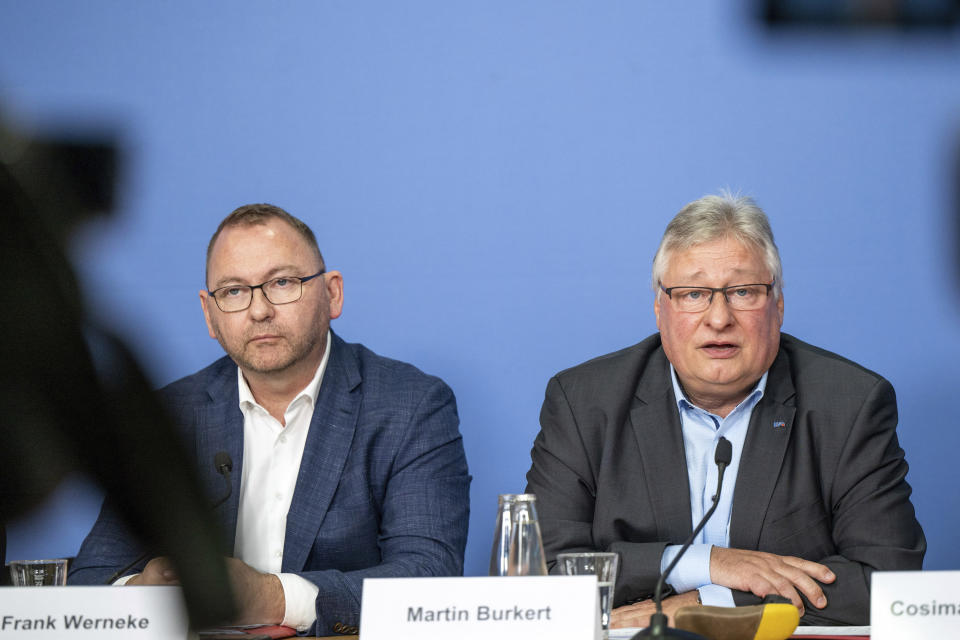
pixel 815 497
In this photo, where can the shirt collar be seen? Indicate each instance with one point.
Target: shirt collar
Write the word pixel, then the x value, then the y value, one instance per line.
pixel 310 391
pixel 683 403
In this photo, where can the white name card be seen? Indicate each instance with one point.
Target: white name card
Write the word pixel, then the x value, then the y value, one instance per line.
pixel 515 608
pixel 915 604
pixel 81 613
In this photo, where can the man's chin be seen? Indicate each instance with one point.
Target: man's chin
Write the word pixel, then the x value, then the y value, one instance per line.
pixel 721 378
pixel 267 367
pixel 260 364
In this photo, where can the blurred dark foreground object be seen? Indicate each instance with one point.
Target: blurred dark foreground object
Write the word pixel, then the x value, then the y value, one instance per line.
pixel 66 410
pixel 919 15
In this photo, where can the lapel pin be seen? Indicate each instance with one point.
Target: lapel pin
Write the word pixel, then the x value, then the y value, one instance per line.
pixel 779 424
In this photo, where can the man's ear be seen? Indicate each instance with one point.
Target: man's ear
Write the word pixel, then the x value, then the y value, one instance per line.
pixel 205 303
pixel 333 281
pixel 656 308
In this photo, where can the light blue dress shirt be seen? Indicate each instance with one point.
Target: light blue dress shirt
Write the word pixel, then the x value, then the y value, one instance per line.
pixel 701 432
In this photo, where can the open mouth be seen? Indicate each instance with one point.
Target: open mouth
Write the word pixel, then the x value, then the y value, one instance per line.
pixel 719 349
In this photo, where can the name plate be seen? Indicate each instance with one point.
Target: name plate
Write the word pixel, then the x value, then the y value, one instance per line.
pixel 518 608
pixel 48 613
pixel 915 604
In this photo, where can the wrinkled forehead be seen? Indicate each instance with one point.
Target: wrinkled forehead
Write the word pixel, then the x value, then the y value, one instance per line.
pixel 727 259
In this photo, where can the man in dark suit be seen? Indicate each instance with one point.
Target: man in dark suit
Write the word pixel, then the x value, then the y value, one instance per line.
pixel 346 464
pixel 815 497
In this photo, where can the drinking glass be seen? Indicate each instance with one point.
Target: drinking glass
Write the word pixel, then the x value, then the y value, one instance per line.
pixel 38 573
pixel 595 563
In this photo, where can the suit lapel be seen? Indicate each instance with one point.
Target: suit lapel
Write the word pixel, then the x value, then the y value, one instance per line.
pixel 656 424
pixel 220 428
pixel 328 444
pixel 763 451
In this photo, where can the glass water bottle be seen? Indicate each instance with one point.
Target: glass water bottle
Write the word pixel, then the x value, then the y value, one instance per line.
pixel 526 546
pixel 500 556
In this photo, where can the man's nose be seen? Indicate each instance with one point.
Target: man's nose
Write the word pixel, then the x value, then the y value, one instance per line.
pixel 260 307
pixel 719 314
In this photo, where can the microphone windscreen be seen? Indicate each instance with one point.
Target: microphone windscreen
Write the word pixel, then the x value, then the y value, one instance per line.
pixel 724 452
pixel 222 462
pixel 756 622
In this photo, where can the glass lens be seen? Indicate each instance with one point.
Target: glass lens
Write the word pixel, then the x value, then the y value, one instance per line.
pixel 691 298
pixel 282 290
pixel 232 298
pixel 748 297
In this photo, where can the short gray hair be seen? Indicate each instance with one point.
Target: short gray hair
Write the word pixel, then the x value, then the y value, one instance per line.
pixel 712 218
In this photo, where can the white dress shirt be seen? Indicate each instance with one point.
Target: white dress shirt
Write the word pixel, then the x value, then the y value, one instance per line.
pixel 271 465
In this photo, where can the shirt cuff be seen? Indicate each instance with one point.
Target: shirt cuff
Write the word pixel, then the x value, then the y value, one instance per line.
pixel 715 595
pixel 692 571
pixel 300 596
pixel 119 582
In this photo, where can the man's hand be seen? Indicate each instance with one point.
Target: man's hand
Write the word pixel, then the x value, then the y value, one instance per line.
pixel 638 614
pixel 765 573
pixel 259 596
pixel 158 571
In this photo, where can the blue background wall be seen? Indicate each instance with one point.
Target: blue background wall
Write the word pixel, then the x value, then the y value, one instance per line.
pixel 492 178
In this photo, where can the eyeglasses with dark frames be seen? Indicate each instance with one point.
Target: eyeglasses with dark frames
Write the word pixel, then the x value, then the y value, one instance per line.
pixel 741 297
pixel 282 290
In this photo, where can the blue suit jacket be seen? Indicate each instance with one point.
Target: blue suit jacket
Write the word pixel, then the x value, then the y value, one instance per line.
pixel 383 488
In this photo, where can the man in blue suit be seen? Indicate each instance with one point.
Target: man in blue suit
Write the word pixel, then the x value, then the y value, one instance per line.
pixel 346 465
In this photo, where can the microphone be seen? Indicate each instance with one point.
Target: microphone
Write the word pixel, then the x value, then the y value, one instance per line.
pixel 658 621
pixel 223 463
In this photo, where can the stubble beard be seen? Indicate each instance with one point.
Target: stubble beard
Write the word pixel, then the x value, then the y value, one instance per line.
pixel 273 358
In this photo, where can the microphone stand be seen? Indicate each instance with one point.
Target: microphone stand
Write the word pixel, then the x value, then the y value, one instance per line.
pixel 658 621
pixel 224 465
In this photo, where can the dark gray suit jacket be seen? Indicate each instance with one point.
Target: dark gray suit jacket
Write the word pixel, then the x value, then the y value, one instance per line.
pixel 828 485
pixel 383 488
